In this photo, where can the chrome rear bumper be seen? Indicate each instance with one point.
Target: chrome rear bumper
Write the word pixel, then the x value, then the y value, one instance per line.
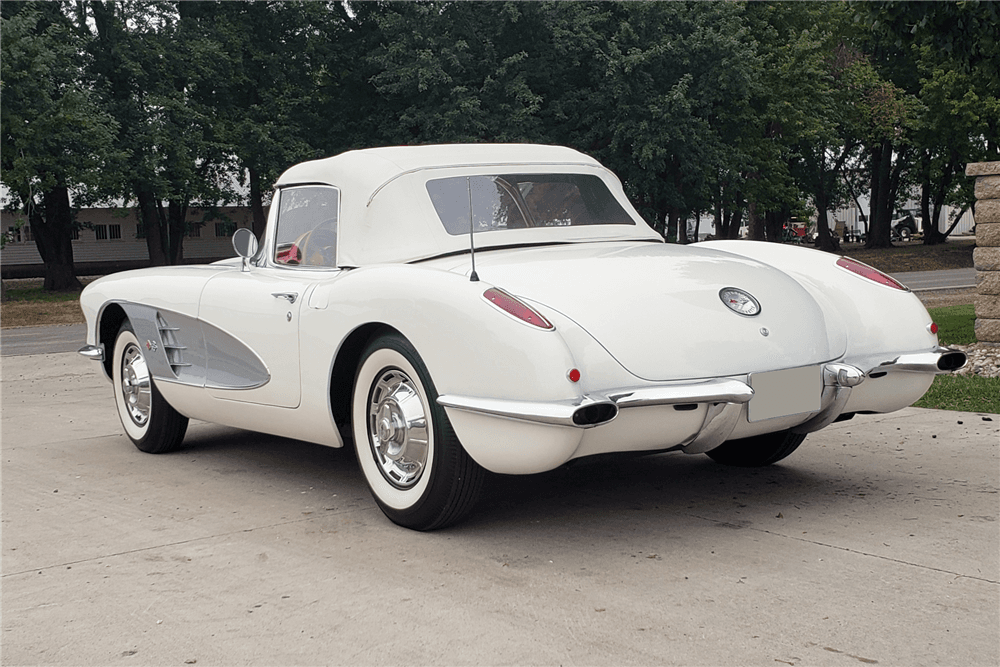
pixel 724 399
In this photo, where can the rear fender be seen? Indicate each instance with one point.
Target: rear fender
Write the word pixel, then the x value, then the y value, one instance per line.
pixel 871 318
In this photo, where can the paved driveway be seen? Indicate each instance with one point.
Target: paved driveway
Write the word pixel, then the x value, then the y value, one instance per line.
pixel 876 543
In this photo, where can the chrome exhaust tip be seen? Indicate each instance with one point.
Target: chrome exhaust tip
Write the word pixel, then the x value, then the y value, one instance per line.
pixel 595 414
pixel 952 360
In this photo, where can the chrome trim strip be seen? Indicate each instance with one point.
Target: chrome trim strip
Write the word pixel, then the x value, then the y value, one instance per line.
pixel 93 352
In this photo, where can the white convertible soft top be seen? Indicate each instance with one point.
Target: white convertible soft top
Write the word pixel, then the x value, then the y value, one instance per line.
pixel 387 216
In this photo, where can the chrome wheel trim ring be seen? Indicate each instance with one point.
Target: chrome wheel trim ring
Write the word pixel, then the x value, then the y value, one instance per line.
pixel 397 428
pixel 135 385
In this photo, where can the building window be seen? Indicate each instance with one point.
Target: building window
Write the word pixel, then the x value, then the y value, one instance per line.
pixel 75 234
pixel 194 230
pixel 140 230
pixel 114 231
pixel 101 232
pixel 225 229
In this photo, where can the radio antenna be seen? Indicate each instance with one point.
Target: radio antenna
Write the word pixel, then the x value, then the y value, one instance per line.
pixel 473 277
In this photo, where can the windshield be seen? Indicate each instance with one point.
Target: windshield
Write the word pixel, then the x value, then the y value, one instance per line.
pixel 520 201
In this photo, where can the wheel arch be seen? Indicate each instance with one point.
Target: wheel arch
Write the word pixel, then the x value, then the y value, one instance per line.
pixel 110 321
pixel 345 367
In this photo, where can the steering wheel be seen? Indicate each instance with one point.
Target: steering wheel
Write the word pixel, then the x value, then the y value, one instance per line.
pixel 320 246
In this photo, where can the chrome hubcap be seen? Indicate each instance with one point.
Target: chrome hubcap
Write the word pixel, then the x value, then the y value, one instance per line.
pixel 135 385
pixel 397 428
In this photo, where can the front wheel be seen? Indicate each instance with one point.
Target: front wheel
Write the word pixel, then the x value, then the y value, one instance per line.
pixel 417 470
pixel 759 450
pixel 149 421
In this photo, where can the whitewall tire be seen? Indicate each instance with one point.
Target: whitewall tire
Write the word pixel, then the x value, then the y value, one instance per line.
pixel 149 421
pixel 415 467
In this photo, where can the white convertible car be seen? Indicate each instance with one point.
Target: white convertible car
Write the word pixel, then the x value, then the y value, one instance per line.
pixel 453 309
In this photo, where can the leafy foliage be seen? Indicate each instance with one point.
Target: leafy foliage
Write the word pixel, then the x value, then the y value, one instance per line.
pixel 742 110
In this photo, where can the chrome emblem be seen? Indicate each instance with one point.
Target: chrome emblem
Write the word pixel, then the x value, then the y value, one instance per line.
pixel 151 345
pixel 739 301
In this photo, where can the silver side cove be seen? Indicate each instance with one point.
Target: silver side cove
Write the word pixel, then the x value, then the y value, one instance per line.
pixel 184 350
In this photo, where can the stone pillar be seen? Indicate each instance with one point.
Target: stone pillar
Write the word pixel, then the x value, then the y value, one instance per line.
pixel 987 253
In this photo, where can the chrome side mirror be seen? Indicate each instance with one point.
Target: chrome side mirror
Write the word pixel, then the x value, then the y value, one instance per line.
pixel 245 244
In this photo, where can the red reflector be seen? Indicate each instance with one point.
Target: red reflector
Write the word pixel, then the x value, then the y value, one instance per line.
pixel 513 306
pixel 934 327
pixel 574 375
pixel 865 271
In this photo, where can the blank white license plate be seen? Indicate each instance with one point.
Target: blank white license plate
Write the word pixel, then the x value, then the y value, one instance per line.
pixel 783 393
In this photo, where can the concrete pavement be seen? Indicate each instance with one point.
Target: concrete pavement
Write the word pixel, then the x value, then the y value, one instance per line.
pixel 876 543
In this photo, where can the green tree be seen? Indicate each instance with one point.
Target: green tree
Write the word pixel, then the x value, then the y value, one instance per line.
pixel 265 104
pixel 55 137
pixel 941 58
pixel 450 72
pixel 155 62
pixel 662 86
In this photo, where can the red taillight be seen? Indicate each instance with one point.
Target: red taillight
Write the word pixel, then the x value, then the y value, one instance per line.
pixel 865 271
pixel 933 327
pixel 512 306
pixel 573 375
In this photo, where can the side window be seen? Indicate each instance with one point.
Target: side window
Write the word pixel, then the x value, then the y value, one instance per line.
pixel 307 226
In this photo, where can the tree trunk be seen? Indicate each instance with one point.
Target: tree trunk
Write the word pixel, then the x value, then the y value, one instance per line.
pixel 149 214
pixel 52 227
pixel 734 224
pixel 680 225
pixel 824 239
pixel 176 229
pixel 882 199
pixel 257 204
pixel 755 223
pixel 672 224
pixel 931 204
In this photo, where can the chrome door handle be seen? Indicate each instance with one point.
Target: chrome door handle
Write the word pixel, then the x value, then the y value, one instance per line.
pixel 291 296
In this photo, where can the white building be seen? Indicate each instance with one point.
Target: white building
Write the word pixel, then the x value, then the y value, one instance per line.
pixel 113 239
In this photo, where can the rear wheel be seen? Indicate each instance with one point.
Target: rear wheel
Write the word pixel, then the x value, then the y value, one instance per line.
pixel 417 470
pixel 149 421
pixel 759 450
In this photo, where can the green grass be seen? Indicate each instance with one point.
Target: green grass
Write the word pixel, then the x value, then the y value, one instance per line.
pixel 966 393
pixel 956 324
pixel 34 293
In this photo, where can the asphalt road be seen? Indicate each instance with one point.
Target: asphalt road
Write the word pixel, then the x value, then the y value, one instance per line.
pixel 934 280
pixel 876 543
pixel 42 340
